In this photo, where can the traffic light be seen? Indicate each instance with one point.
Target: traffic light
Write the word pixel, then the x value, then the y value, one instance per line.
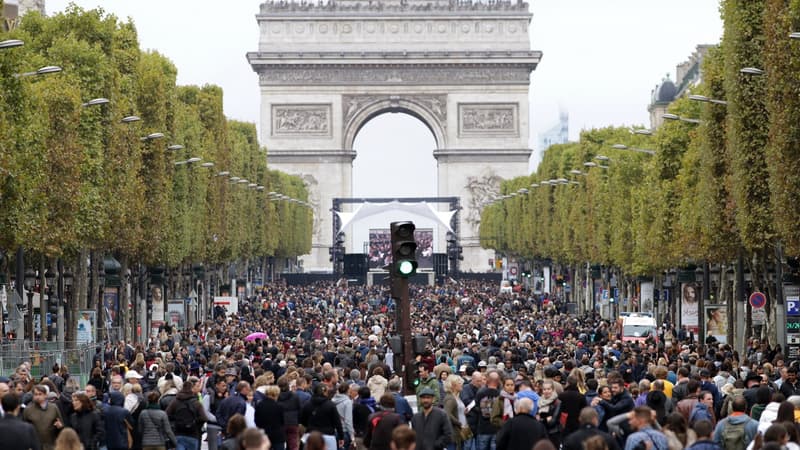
pixel 404 249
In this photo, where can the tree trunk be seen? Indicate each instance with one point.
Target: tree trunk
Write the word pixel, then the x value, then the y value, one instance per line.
pixel 125 312
pixel 44 300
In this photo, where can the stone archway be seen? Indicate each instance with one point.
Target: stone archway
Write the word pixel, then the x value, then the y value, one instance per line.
pixel 360 109
pixel 462 68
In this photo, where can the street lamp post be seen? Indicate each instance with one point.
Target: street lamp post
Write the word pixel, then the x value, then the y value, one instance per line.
pixel 52 307
pixel 30 281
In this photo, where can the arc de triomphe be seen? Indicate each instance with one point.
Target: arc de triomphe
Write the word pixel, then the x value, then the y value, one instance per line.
pixel 461 67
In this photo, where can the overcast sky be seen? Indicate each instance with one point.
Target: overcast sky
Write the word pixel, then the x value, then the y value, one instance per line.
pixel 602 59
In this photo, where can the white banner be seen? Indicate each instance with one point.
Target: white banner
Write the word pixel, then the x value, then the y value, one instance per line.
pixel 646 303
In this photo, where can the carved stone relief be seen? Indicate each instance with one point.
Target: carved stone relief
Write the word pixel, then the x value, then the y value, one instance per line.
pixel 378 75
pixel 304 120
pixel 312 185
pixel 479 30
pixel 481 189
pixel 480 119
pixel 435 104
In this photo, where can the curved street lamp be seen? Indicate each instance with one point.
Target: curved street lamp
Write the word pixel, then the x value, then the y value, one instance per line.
pixel 633 149
pixel 42 71
pixel 11 43
pixel 670 116
pixel 703 98
pixel 751 71
pixel 152 137
pixel 96 101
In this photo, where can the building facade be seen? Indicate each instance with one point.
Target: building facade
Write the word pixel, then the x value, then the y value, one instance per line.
pixel 687 75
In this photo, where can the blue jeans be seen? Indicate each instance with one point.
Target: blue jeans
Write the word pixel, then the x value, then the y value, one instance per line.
pixel 187 443
pixel 469 444
pixel 485 442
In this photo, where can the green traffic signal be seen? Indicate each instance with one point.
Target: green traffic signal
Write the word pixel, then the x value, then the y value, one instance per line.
pixel 406 268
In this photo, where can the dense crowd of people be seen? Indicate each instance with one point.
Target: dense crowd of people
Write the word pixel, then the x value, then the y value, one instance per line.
pixel 492 372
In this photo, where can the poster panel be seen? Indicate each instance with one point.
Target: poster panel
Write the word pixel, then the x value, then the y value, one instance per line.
pixel 647 297
pixel 111 304
pixel 716 317
pixel 689 304
pixel 87 320
pixel 176 310
pixel 424 238
pixel 158 304
pixel 380 248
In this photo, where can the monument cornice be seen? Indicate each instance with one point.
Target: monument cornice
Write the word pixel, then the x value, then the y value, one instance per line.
pixel 309 156
pixel 441 57
pixel 393 73
pixel 384 7
pixel 482 154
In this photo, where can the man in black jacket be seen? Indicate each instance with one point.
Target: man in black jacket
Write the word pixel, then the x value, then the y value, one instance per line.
pixel 431 424
pixel 522 431
pixel 23 434
pixel 620 403
pixel 269 416
pixel 589 421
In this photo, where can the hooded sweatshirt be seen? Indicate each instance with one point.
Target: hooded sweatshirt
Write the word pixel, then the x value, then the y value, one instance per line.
pixel 114 416
pixel 320 414
pixel 345 408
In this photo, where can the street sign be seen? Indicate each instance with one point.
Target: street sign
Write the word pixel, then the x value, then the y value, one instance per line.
pixel 758 300
pixel 512 270
pixel 793 306
pixel 759 316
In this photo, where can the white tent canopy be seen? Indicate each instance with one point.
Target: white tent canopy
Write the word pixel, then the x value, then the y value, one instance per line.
pixel 422 209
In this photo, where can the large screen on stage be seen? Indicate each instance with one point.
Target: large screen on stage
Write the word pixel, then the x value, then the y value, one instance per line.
pixel 380 247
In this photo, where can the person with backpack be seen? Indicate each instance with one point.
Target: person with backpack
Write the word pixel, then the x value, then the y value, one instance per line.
pixel 738 429
pixel 381 425
pixel 187 417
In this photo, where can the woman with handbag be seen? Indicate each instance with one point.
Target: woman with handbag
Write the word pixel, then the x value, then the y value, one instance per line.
pixel 455 410
pixel 153 427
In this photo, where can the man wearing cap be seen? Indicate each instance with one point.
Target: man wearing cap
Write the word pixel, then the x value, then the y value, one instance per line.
pixel 132 377
pixel 431 424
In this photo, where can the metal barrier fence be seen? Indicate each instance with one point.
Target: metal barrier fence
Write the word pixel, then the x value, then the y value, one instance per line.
pixel 43 355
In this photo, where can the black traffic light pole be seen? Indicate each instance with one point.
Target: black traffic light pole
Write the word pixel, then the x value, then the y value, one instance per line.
pixel 403 251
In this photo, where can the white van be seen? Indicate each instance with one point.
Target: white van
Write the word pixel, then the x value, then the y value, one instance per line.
pixel 638 327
